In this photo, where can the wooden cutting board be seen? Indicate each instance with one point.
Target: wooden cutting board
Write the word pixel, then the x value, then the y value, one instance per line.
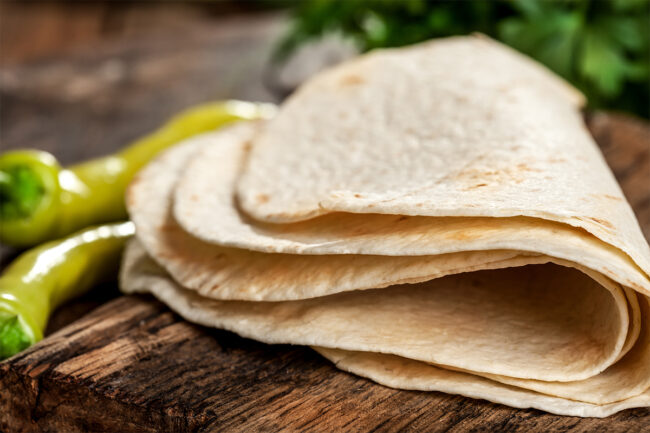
pixel 132 365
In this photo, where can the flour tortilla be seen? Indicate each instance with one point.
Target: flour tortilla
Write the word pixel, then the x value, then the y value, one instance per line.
pixel 478 219
pixel 462 126
pixel 230 273
pixel 339 321
pixel 401 373
pixel 236 274
pixel 203 180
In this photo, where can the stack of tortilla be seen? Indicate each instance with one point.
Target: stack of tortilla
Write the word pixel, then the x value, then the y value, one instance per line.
pixel 433 218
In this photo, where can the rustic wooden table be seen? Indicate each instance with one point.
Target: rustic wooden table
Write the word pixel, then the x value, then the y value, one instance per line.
pixel 131 364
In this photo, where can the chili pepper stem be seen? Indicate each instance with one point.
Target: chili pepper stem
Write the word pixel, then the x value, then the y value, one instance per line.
pixel 14 336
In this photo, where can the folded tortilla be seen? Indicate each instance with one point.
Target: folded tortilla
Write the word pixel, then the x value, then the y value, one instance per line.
pixel 433 218
pixel 334 324
pixel 461 126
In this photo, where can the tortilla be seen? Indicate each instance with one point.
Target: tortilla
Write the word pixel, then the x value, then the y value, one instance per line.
pixel 237 274
pixel 452 222
pixel 201 182
pixel 622 386
pixel 250 275
pixel 461 126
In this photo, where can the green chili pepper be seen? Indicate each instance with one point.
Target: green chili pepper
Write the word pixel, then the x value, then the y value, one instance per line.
pixel 40 201
pixel 44 277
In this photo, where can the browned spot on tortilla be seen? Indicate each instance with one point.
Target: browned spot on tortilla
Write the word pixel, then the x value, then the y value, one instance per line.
pixel 358 195
pixel 247 146
pixel 283 215
pixel 525 167
pixel 556 160
pixel 485 176
pixel 607 270
pixel 612 197
pixel 262 198
pixel 601 222
pixel 459 235
pixel 351 80
pixel 194 197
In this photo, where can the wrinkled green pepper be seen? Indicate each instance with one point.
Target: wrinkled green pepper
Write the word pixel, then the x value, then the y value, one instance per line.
pixel 42 278
pixel 40 201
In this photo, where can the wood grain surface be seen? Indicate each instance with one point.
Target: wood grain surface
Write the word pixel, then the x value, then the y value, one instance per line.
pixel 131 364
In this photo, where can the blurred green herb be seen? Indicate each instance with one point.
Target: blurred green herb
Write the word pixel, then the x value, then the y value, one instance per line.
pixel 601 46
